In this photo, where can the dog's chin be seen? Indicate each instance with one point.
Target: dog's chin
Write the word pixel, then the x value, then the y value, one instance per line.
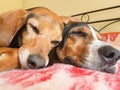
pixel 112 69
pixel 102 68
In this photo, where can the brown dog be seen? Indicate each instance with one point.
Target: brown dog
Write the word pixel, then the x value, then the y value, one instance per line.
pixel 42 31
pixel 34 31
pixel 82 46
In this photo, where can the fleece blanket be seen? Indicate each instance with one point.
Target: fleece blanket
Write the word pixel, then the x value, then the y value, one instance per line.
pixel 62 77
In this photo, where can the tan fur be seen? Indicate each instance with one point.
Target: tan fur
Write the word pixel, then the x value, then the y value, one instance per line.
pixel 68 19
pixel 8 58
pixel 10 23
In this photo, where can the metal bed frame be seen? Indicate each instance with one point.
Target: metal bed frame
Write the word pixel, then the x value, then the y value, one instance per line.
pixel 113 20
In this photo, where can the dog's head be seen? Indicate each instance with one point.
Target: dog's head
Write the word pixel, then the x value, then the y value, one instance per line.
pixel 82 46
pixel 41 32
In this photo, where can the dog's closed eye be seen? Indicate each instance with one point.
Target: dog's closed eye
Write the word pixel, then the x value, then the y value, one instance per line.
pixel 55 42
pixel 78 33
pixel 34 28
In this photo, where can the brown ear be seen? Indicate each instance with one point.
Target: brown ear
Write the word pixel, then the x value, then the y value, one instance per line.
pixel 11 22
pixel 68 19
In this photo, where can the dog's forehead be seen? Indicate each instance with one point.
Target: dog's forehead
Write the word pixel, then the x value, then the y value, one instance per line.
pixel 44 22
pixel 95 34
pixel 79 26
pixel 42 18
pixel 74 26
pixel 83 28
pixel 67 29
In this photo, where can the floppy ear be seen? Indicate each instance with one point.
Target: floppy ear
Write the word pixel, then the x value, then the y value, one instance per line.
pixel 10 23
pixel 68 19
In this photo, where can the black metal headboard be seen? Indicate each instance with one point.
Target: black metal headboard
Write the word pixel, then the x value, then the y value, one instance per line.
pixel 113 20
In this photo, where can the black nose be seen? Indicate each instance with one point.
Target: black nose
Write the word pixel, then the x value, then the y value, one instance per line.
pixel 35 62
pixel 109 54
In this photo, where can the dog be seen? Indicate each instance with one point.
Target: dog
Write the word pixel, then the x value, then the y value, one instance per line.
pixel 83 46
pixel 41 31
pixel 34 32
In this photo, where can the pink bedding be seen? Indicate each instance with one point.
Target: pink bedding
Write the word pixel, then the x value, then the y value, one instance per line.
pixel 63 77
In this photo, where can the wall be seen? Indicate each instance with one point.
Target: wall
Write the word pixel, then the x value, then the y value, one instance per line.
pixel 71 7
pixel 6 5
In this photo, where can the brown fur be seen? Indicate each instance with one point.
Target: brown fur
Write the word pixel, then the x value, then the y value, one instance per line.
pixel 68 19
pixel 75 46
pixel 10 23
pixel 8 58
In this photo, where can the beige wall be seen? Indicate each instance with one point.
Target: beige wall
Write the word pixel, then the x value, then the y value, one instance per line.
pixel 6 5
pixel 71 7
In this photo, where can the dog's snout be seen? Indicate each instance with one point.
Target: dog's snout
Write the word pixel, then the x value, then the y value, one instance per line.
pixel 35 62
pixel 109 54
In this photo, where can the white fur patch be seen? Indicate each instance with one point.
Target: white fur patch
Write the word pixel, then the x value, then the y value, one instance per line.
pixel 93 32
pixel 93 58
pixel 34 22
pixel 23 56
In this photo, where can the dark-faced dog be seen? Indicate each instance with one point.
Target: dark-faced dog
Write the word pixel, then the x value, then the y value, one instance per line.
pixel 83 46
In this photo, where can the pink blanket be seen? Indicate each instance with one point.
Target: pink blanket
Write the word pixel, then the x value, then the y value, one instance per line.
pixel 61 77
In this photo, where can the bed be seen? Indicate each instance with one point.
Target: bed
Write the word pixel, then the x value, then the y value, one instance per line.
pixel 63 76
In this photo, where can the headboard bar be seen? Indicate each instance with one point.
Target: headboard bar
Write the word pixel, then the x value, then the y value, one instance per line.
pixel 103 9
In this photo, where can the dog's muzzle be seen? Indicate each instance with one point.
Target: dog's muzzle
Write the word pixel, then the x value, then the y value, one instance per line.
pixel 35 62
pixel 109 54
